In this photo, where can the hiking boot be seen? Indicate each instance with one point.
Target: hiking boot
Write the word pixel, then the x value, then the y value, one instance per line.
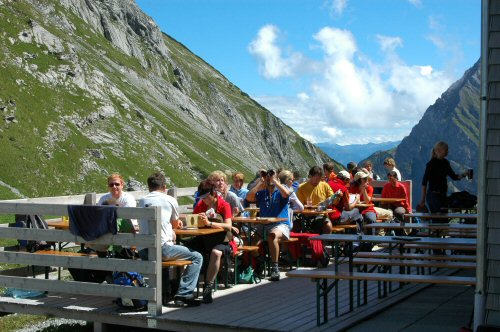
pixel 186 301
pixel 275 274
pixel 207 293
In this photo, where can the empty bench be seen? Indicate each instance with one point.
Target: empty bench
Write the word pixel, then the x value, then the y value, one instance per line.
pixel 322 276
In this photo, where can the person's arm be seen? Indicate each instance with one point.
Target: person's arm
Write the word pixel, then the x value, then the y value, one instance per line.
pixel 259 186
pixel 285 193
pixel 367 196
pixel 422 197
pixel 295 202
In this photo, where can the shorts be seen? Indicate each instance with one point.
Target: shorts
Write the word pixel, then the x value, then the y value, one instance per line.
pixel 285 230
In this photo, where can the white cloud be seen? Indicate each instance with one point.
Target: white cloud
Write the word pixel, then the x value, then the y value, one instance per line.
pixel 416 3
pixel 335 7
pixel 353 99
pixel 272 63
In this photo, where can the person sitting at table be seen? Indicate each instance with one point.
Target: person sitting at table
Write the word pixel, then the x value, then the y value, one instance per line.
pixel 237 186
pixel 157 196
pixel 395 189
pixel 272 198
pixel 117 197
pixel 390 165
pixel 286 178
pixel 344 210
pixel 214 212
pixel 219 179
pixel 313 192
pixel 329 171
pixel 362 187
pixel 434 181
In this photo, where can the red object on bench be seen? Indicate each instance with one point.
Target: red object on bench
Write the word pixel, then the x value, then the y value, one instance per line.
pixel 316 246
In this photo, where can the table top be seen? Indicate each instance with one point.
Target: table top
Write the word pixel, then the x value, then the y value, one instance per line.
pixel 439 226
pixel 387 199
pixel 58 224
pixel 197 231
pixel 362 205
pixel 258 220
pixel 423 215
pixel 395 239
pixel 311 212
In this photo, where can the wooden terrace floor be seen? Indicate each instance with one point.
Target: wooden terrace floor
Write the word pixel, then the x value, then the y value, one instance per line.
pixel 287 305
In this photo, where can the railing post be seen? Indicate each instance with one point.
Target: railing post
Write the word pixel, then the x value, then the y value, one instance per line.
pixel 155 308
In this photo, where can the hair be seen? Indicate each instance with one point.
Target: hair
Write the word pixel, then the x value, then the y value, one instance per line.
pixel 367 163
pixel 156 181
pixel 115 176
pixel 394 174
pixel 238 176
pixel 351 165
pixel 215 175
pixel 441 145
pixel 296 175
pixel 389 161
pixel 206 186
pixel 284 176
pixel 329 166
pixel 315 170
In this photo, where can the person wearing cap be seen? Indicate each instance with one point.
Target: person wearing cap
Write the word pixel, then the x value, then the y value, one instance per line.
pixel 272 198
pixel 316 191
pixel 362 187
pixel 390 165
pixel 214 212
pixel 344 209
pixel 395 189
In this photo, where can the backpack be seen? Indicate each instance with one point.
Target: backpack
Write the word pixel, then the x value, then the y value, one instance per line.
pixel 130 279
pixel 462 199
pixel 36 222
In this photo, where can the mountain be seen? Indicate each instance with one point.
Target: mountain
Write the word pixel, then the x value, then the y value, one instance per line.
pixel 453 118
pixel 354 152
pixel 91 87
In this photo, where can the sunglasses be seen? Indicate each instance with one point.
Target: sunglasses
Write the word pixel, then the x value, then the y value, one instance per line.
pixel 114 184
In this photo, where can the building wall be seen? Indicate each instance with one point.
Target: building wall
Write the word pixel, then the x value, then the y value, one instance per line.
pixel 492 211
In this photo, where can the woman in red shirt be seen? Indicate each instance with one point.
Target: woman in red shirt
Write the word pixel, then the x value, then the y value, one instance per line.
pixel 215 212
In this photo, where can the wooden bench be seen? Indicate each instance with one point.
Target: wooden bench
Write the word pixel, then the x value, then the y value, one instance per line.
pixel 321 276
pixel 397 255
pixel 414 263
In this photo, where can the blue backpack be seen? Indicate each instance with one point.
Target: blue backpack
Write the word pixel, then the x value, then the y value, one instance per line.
pixel 130 279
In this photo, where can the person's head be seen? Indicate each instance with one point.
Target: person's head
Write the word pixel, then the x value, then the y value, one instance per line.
pixel 368 165
pixel 238 179
pixel 392 177
pixel 157 182
pixel 440 150
pixel 328 168
pixel 267 176
pixel 207 192
pixel 315 175
pixel 344 176
pixel 296 175
pixel 351 165
pixel 219 180
pixel 286 178
pixel 361 177
pixel 115 185
pixel 389 163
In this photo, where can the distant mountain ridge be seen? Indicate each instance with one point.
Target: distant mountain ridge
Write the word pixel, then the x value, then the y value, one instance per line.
pixel 91 87
pixel 453 118
pixel 354 152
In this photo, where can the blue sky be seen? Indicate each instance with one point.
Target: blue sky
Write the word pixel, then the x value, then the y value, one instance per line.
pixel 339 71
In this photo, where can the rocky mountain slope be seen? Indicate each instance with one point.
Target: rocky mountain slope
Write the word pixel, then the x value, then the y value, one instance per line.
pixel 91 87
pixel 453 118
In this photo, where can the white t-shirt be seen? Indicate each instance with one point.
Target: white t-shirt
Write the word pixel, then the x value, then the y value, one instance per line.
pixel 125 199
pixel 169 212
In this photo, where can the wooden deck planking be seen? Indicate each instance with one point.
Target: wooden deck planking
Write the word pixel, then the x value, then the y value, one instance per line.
pixel 289 304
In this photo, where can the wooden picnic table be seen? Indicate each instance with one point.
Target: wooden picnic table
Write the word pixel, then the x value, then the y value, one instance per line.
pixel 392 241
pixel 197 231
pixel 313 212
pixel 58 223
pixel 256 220
pixel 423 215
pixel 387 200
pixel 435 228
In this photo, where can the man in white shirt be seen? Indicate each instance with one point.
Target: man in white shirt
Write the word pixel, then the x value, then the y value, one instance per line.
pixel 170 219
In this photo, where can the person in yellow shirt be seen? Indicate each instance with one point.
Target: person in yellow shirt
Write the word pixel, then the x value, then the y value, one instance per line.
pixel 313 192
